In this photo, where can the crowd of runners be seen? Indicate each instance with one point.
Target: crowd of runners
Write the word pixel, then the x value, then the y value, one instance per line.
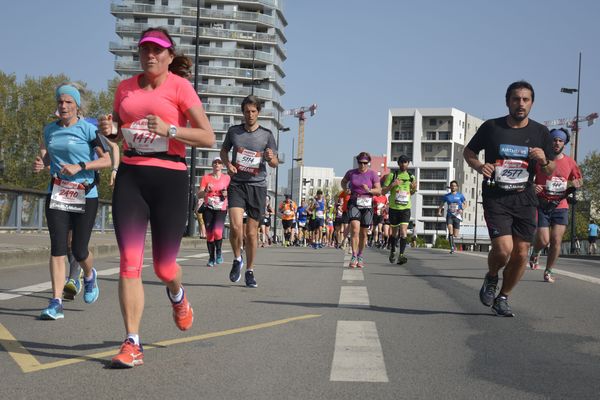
pixel 528 183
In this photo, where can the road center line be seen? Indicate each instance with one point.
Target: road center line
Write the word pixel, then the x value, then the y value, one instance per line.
pixel 358 356
pixel 354 296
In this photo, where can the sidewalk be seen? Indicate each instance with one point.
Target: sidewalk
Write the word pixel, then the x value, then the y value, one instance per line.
pixel 30 248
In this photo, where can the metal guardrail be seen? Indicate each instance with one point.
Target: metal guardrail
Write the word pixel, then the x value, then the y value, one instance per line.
pixel 23 209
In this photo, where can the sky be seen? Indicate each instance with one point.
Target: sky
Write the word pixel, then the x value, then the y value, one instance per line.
pixel 357 59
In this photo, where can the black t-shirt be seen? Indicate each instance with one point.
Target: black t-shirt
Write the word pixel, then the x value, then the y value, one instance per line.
pixel 508 149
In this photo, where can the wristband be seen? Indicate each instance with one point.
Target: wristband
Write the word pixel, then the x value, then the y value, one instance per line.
pixel 546 164
pixel 82 165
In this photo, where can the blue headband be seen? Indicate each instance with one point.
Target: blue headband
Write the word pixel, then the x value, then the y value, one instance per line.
pixel 71 91
pixel 557 133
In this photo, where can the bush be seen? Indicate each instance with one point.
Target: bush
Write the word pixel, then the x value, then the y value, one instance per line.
pixel 442 243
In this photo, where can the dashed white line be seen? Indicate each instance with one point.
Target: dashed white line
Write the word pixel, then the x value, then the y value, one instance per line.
pixel 354 296
pixel 358 356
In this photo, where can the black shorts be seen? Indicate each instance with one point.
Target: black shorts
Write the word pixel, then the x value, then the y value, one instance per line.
pixel 287 223
pixel 251 198
pixel 265 221
pixel 592 239
pixel 452 220
pixel 364 215
pixel 399 217
pixel 514 215
pixel 319 222
pixel 377 219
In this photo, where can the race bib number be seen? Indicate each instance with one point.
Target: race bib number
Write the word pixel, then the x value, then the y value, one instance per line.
pixel 287 212
pixel 138 138
pixel 215 202
pixel 511 174
pixel 320 214
pixel 248 161
pixel 67 196
pixel 556 186
pixel 453 208
pixel 402 197
pixel 364 201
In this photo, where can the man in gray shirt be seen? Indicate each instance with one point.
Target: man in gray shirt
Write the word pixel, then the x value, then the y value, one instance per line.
pixel 252 147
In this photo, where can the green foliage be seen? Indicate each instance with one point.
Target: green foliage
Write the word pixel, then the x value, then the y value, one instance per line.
pixel 26 108
pixel 420 241
pixel 441 243
pixel 590 168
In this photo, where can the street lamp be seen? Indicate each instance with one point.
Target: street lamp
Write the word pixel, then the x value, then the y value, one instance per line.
pixel 192 184
pixel 575 131
pixel 285 129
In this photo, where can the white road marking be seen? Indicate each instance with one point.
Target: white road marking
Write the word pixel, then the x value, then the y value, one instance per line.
pixel 358 356
pixel 353 275
pixel 354 296
pixel 25 291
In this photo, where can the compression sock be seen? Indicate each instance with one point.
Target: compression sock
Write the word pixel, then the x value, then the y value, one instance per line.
pixel 402 245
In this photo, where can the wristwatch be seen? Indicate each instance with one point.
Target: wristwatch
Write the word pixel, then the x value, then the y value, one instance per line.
pixel 82 165
pixel 172 131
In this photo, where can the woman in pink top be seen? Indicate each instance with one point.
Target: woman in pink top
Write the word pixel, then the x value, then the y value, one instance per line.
pixel 213 189
pixel 152 111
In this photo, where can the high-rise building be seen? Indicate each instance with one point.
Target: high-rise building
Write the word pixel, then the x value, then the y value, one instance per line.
pixel 434 139
pixel 240 52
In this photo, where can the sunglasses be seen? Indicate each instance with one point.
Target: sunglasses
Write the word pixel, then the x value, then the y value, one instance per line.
pixel 363 162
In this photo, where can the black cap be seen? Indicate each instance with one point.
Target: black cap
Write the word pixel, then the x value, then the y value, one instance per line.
pixel 403 158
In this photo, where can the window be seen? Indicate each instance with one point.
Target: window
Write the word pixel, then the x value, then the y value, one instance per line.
pixel 428 148
pixel 430 135
pixel 445 135
pixel 439 174
pixel 140 20
pixel 429 200
pixel 171 21
pixel 432 122
pixel 432 186
pixel 164 2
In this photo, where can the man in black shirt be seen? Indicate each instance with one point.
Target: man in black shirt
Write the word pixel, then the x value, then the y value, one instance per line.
pixel 513 145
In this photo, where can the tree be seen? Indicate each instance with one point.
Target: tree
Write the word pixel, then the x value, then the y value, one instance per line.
pixel 590 169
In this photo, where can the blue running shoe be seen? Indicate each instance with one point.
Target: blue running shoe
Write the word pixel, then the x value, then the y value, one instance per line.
pixel 54 311
pixel 236 271
pixel 90 289
pixel 219 259
pixel 71 289
pixel 210 263
pixel 250 280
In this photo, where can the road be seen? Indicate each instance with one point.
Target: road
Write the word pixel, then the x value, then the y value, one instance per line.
pixel 313 330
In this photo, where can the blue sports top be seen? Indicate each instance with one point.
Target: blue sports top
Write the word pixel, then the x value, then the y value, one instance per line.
pixel 71 145
pixel 453 198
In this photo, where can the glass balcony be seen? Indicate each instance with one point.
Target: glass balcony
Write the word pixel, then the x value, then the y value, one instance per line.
pixel 233 90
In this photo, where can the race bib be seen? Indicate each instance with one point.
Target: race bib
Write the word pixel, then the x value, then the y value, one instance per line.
pixel 402 197
pixel 511 174
pixel 380 207
pixel 248 161
pixel 138 138
pixel 453 208
pixel 215 202
pixel 67 196
pixel 556 186
pixel 364 201
pixel 287 212
pixel 320 214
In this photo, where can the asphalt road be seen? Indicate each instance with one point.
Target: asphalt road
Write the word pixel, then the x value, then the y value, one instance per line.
pixel 312 330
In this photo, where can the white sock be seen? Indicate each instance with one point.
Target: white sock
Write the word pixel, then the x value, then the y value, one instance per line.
pixel 176 298
pixel 239 258
pixel 135 337
pixel 58 299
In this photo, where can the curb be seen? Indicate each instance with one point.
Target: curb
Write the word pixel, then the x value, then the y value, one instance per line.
pixel 21 257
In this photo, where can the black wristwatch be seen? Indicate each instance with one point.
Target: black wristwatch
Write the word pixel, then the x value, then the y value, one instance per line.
pixel 546 164
pixel 82 165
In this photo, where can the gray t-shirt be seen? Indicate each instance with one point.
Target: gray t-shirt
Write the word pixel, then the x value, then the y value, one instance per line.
pixel 248 153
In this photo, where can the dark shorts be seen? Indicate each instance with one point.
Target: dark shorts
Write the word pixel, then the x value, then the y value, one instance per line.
pixel 265 221
pixel 319 222
pixel 364 215
pixel 287 223
pixel 251 198
pixel 592 239
pixel 377 219
pixel 452 220
pixel 399 217
pixel 558 216
pixel 510 215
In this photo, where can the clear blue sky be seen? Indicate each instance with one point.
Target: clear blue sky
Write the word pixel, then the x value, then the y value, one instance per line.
pixel 357 59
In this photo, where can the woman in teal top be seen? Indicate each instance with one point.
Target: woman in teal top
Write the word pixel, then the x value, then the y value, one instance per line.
pixel 73 152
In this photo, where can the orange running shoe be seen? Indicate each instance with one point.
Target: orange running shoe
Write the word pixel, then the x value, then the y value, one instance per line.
pixel 129 355
pixel 183 314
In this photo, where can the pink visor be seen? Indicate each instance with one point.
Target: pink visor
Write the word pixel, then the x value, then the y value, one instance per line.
pixel 156 37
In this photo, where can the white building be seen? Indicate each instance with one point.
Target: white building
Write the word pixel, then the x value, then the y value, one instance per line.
pixel 303 182
pixel 241 52
pixel 434 139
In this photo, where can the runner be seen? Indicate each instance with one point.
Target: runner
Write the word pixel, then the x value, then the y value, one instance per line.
pixel 553 209
pixel 513 146
pixel 288 209
pixel 70 146
pixel 301 217
pixel 363 184
pixel 253 147
pixel 456 204
pixel 318 209
pixel 592 236
pixel 158 113
pixel 341 217
pixel 379 204
pixel 265 223
pixel 401 185
pixel 213 188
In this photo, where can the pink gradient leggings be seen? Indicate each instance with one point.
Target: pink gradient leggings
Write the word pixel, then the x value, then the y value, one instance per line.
pixel 214 221
pixel 154 194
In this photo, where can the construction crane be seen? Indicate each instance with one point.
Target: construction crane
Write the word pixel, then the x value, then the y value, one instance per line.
pixel 572 124
pixel 300 113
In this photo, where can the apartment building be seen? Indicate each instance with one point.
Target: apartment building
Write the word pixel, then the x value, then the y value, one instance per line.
pixel 434 139
pixel 303 182
pixel 241 49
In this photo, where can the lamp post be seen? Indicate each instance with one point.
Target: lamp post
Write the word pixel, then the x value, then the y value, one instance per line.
pixel 277 180
pixel 192 185
pixel 575 130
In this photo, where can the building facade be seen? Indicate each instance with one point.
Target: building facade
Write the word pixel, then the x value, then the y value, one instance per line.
pixel 240 52
pixel 303 182
pixel 434 139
